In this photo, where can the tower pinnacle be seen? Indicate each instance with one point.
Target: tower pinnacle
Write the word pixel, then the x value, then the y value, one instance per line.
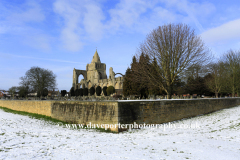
pixel 96 57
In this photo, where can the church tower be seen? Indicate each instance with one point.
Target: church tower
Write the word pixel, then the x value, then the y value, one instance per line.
pixel 95 75
pixel 96 70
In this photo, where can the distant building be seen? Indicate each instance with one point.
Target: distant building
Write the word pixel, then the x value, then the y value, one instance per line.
pixel 53 93
pixel 1 93
pixel 95 75
pixel 32 94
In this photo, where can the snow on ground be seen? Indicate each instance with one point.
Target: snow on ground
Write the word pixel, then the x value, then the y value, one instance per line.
pixel 215 136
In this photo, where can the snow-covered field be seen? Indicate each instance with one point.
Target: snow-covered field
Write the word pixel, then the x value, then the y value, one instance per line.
pixel 216 136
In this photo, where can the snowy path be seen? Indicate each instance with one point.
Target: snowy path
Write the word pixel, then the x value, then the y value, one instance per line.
pixel 217 137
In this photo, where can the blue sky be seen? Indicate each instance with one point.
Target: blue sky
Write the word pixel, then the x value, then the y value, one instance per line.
pixel 60 35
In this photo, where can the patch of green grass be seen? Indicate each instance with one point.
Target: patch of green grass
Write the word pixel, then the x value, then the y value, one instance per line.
pixel 33 115
pixel 50 119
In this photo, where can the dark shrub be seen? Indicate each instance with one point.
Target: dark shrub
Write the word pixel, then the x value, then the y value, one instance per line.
pixel 110 90
pixel 92 91
pixel 85 91
pixel 105 91
pixel 77 92
pixel 72 92
pixel 43 93
pixel 80 92
pixel 98 90
pixel 63 93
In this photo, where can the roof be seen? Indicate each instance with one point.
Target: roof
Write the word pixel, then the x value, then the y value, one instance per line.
pixel 96 58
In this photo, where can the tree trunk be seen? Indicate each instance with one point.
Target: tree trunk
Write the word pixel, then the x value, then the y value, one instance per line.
pixel 216 94
pixel 233 92
pixel 169 93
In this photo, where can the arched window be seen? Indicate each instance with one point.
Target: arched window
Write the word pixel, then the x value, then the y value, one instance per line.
pixel 80 77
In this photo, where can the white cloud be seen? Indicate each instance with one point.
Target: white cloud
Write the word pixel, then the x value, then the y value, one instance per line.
pixel 86 20
pixel 71 13
pixel 29 12
pixel 20 21
pixel 9 56
pixel 193 11
pixel 127 14
pixel 223 33
pixel 93 18
pixel 18 16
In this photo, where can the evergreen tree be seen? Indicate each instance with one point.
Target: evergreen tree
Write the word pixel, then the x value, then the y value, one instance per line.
pixel 72 92
pixel 98 90
pixel 80 92
pixel 133 77
pixel 92 91
pixel 77 92
pixel 85 91
pixel 105 90
pixel 63 93
pixel 110 90
pixel 127 85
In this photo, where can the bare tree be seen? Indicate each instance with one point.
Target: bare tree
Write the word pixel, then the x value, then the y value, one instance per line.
pixel 12 91
pixel 194 71
pixel 232 60
pixel 39 79
pixel 217 79
pixel 171 49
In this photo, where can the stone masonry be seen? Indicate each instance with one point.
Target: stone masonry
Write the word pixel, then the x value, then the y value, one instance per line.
pixel 95 75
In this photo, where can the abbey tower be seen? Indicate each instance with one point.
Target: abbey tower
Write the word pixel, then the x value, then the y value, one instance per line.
pixel 95 75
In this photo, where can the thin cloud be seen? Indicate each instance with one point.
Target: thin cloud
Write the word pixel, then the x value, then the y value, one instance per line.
pixel 194 11
pixel 225 32
pixel 72 17
pixel 54 60
pixel 86 20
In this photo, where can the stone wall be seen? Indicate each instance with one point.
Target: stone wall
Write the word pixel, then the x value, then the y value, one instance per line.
pixel 76 112
pixel 123 112
pixel 38 107
pixel 79 112
pixel 157 112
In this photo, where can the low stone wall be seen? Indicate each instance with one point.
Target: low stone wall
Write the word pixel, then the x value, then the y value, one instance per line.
pixel 79 112
pixel 123 112
pixel 157 112
pixel 75 112
pixel 38 107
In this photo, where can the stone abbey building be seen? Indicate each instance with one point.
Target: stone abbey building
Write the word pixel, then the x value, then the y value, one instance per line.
pixel 95 75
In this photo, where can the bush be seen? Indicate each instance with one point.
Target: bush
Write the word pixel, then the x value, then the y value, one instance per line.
pixel 23 92
pixel 80 92
pixel 85 91
pixel 92 91
pixel 110 90
pixel 72 92
pixel 105 91
pixel 144 92
pixel 77 92
pixel 63 93
pixel 98 90
pixel 43 93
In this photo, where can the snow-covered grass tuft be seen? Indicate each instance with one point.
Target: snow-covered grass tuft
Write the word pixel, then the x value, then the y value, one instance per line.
pixel 216 137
